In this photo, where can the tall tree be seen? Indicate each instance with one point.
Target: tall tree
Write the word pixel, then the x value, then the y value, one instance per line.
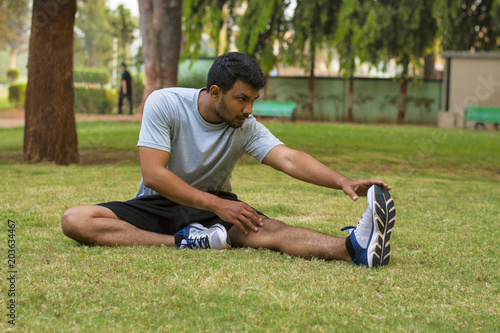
pixel 124 26
pixel 313 28
pixel 355 41
pixel 469 25
pixel 262 28
pixel 14 28
pixel 216 18
pixel 94 33
pixel 256 27
pixel 160 23
pixel 409 33
pixel 50 129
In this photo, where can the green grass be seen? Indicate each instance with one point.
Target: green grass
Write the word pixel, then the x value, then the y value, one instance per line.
pixel 444 273
pixel 5 104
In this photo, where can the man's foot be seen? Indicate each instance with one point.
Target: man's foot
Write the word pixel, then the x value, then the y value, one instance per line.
pixel 370 239
pixel 196 236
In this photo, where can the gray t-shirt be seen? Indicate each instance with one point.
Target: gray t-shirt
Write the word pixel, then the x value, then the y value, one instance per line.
pixel 202 154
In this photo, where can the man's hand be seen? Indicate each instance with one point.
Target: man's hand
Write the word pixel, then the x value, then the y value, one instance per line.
pixel 356 188
pixel 240 214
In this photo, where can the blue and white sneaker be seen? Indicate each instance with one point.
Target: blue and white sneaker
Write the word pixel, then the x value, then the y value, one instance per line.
pixel 370 239
pixel 196 236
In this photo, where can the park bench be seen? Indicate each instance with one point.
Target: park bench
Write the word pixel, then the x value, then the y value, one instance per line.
pixel 274 109
pixel 482 114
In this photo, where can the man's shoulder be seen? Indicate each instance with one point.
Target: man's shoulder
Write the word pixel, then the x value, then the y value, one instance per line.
pixel 177 92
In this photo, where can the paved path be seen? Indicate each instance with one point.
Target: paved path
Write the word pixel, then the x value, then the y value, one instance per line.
pixel 15 118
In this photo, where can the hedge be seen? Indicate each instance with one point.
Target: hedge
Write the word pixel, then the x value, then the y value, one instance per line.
pixel 91 76
pixel 95 100
pixel 17 94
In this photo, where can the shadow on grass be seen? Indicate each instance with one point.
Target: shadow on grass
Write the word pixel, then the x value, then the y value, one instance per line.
pixel 92 156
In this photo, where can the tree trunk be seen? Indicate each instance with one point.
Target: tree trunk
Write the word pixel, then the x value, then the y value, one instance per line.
pixel 429 70
pixel 350 93
pixel 403 89
pixel 50 129
pixel 160 23
pixel 13 58
pixel 310 102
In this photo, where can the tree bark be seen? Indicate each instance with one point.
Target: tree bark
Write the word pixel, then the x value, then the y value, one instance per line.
pixel 429 70
pixel 403 89
pixel 312 81
pixel 350 93
pixel 160 22
pixel 50 128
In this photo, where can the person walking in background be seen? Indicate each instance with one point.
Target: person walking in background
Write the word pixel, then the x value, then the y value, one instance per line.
pixel 125 89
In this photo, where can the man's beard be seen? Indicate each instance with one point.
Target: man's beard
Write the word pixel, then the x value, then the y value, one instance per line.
pixel 222 111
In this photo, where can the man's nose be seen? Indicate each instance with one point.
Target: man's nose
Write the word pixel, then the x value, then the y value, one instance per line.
pixel 247 110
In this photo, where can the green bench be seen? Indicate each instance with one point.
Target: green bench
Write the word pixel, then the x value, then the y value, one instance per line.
pixel 482 114
pixel 274 109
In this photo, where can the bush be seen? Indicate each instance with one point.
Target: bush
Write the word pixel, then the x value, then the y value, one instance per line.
pixel 196 78
pixel 91 76
pixel 137 91
pixel 13 75
pixel 95 100
pixel 17 94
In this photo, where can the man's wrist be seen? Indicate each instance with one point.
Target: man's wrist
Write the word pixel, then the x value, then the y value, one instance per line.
pixel 343 181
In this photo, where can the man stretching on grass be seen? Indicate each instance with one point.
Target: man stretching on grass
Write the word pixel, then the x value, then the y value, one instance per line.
pixel 189 143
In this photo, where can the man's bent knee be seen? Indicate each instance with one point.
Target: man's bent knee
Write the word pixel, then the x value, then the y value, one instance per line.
pixel 266 237
pixel 76 222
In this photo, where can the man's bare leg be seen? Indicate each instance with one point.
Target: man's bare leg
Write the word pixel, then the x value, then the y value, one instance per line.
pixel 296 241
pixel 98 225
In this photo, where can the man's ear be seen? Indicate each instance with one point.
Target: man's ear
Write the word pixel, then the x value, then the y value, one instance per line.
pixel 215 92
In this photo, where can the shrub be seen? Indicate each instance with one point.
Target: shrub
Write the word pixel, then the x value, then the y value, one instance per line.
pixel 17 94
pixel 94 100
pixel 13 75
pixel 91 76
pixel 196 78
pixel 137 91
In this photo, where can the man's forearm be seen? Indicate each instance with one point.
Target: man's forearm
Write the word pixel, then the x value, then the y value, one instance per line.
pixel 304 167
pixel 173 188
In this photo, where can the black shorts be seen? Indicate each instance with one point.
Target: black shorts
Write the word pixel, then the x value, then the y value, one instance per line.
pixel 160 215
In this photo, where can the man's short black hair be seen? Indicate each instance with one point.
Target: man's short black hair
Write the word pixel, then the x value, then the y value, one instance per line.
pixel 233 66
pixel 123 64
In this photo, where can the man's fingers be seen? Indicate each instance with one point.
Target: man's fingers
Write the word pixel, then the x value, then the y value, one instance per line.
pixel 241 227
pixel 251 220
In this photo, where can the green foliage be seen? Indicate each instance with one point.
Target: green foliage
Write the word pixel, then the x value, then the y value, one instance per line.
pixel 93 34
pixel 192 79
pixel 258 27
pixel 137 91
pixel 95 100
pixel 13 75
pixel 14 23
pixel 17 94
pixel 123 26
pixel 262 25
pixel 211 17
pixel 469 25
pixel 92 76
pixel 313 28
pixel 408 32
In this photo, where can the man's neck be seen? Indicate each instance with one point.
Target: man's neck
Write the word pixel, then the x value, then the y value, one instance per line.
pixel 206 108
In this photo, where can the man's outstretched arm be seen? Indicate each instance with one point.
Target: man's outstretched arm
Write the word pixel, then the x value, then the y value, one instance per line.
pixel 303 166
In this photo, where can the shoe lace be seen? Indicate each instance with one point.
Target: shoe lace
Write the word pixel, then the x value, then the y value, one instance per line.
pixel 195 242
pixel 351 227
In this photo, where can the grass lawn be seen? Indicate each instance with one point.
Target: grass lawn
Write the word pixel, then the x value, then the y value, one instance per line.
pixel 444 273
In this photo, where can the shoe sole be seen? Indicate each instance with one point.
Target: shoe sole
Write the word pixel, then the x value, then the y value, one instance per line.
pixel 385 218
